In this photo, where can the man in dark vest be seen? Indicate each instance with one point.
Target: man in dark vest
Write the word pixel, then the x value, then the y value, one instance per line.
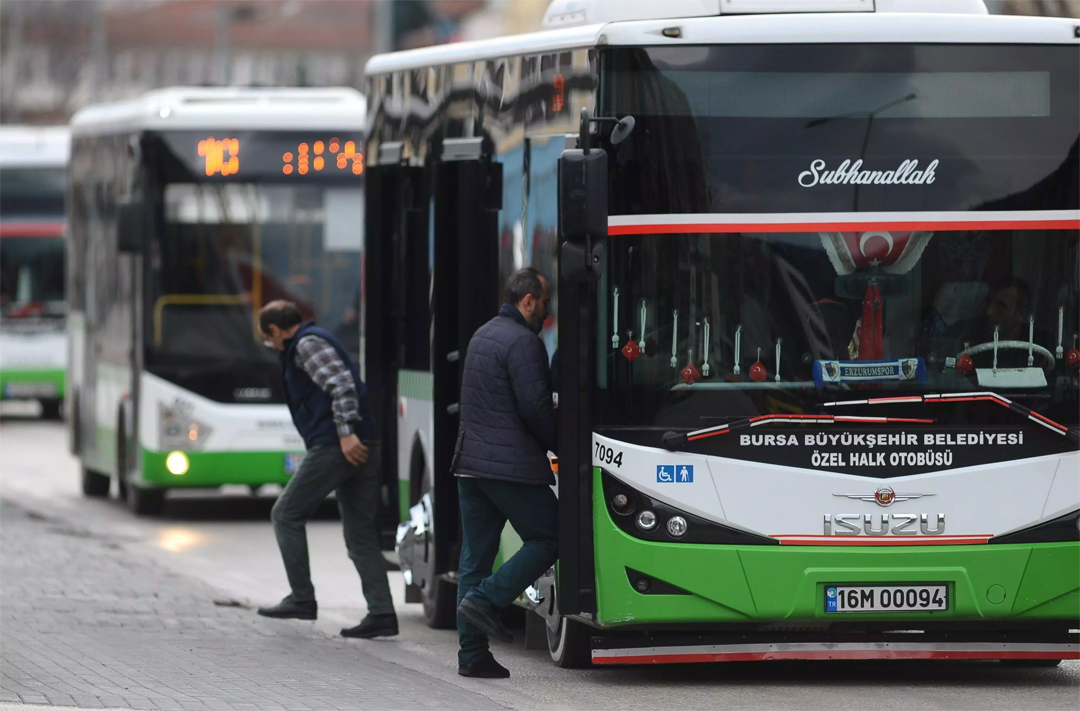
pixel 330 409
pixel 507 429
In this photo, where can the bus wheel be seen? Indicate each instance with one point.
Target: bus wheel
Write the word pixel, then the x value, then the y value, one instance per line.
pixel 52 410
pixel 440 604
pixel 94 484
pixel 1031 663
pixel 568 641
pixel 145 501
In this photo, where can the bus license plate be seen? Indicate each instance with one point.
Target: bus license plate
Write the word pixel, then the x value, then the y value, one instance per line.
pixel 886 598
pixel 30 390
pixel 292 463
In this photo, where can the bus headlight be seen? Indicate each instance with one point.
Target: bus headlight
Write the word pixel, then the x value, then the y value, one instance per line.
pixel 178 430
pixel 177 463
pixel 676 526
pixel 646 520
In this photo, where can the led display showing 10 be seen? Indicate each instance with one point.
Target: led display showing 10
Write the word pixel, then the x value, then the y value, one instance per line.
pixel 329 155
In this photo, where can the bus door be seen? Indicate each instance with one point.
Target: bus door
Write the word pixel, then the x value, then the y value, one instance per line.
pixel 389 199
pixel 465 295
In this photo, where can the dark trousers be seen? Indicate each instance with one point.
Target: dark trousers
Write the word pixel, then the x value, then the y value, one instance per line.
pixel 323 470
pixel 486 506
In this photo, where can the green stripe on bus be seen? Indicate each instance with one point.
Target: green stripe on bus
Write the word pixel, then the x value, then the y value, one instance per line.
pixel 217 468
pixel 415 384
pixel 51 376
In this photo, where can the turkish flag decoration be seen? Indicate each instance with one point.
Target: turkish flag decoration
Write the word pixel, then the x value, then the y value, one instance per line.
pixel 631 351
pixel 690 374
pixel 892 252
pixel 757 372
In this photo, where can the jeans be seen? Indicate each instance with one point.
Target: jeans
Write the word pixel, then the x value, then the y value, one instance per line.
pixel 323 470
pixel 486 506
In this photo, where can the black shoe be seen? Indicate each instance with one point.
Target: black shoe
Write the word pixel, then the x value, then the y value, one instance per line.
pixel 289 609
pixel 486 668
pixel 373 626
pixel 484 619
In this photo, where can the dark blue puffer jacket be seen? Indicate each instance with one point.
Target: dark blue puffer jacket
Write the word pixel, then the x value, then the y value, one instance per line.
pixel 507 419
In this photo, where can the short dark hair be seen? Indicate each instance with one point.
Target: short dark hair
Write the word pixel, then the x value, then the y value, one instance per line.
pixel 280 313
pixel 522 282
pixel 1023 293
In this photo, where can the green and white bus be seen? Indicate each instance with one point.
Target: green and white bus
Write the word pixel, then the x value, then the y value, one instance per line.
pixel 189 208
pixel 817 307
pixel 32 308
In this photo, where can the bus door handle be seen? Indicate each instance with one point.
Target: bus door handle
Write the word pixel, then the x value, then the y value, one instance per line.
pixel 453 356
pixel 453 408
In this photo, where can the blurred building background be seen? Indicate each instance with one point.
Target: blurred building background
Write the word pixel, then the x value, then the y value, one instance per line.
pixel 58 55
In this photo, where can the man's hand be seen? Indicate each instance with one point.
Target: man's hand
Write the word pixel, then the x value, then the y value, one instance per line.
pixel 354 450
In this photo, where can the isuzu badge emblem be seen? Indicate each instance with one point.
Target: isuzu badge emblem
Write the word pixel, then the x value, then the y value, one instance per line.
pixel 885 496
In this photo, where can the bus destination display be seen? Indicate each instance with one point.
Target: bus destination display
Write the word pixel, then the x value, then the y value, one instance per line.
pixel 267 155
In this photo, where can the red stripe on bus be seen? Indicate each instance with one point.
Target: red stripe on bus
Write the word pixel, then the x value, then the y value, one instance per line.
pixel 835 654
pixel 32 229
pixel 1050 422
pixel 741 227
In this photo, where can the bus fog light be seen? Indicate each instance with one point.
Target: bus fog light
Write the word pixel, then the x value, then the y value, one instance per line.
pixel 621 504
pixel 676 526
pixel 646 520
pixel 177 463
pixel 642 585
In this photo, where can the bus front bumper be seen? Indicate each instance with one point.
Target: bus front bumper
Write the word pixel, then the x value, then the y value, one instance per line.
pixel 900 645
pixel 756 588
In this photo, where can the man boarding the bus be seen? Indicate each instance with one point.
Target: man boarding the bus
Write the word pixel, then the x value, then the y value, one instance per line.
pixel 507 428
pixel 330 409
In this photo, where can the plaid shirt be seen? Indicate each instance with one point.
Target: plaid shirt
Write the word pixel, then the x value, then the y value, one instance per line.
pixel 321 362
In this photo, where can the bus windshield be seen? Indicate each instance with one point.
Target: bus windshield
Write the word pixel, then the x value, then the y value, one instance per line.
pixel 776 147
pixel 804 303
pixel 31 276
pixel 32 245
pixel 227 249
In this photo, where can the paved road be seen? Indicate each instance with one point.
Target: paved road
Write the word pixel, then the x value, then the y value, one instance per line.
pixel 221 548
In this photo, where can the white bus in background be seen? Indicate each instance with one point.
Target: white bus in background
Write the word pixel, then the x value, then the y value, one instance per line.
pixel 190 209
pixel 32 307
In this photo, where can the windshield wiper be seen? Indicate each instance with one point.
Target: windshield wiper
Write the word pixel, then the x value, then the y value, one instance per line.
pixel 672 440
pixel 1016 407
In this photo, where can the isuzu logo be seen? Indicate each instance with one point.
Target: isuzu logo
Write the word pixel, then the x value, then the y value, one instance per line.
pixel 251 394
pixel 882 524
pixel 885 496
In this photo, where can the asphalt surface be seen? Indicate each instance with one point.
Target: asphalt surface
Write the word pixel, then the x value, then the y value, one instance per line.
pixel 220 547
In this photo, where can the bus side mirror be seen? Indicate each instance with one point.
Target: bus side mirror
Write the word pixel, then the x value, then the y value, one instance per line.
pixel 583 213
pixel 129 227
pixel 583 194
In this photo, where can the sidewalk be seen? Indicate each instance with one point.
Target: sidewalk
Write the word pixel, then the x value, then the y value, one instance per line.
pixel 84 623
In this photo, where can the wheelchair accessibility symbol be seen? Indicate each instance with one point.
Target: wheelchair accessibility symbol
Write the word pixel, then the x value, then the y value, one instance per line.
pixel 674 474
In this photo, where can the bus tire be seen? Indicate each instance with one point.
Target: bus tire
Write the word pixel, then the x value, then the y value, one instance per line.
pixel 1031 663
pixel 569 644
pixel 52 410
pixel 93 483
pixel 440 604
pixel 145 501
